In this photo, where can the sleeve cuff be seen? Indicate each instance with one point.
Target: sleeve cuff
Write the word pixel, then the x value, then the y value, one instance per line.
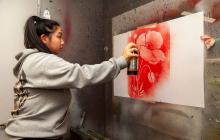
pixel 121 61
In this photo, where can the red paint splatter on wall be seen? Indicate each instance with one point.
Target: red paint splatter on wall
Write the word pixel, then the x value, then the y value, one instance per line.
pixel 192 3
pixel 216 11
pixel 67 27
pixel 153 60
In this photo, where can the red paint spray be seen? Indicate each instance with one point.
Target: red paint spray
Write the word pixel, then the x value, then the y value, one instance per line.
pixel 67 27
pixel 153 59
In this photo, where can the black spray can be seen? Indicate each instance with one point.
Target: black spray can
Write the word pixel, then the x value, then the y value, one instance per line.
pixel 132 68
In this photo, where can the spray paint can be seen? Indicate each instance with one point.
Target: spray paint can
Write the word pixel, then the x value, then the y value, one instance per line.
pixel 132 68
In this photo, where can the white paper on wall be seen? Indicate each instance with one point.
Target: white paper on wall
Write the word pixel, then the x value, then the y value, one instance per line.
pixel 171 62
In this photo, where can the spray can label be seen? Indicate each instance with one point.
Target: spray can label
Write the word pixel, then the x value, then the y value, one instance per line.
pixel 133 65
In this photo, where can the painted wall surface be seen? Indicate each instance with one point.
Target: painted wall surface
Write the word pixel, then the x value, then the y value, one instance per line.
pixel 13 17
pixel 129 119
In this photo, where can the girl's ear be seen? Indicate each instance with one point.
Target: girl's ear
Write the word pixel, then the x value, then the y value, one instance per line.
pixel 44 38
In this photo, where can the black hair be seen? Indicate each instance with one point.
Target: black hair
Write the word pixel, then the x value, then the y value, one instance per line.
pixel 34 28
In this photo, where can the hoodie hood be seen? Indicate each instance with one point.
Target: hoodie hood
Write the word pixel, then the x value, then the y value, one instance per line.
pixel 20 57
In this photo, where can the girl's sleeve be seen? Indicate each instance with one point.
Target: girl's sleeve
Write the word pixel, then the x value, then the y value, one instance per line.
pixel 54 72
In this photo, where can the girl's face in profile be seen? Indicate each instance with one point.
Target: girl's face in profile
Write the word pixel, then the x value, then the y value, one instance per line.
pixel 54 41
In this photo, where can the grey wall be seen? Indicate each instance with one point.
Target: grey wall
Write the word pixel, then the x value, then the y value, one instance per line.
pixel 129 119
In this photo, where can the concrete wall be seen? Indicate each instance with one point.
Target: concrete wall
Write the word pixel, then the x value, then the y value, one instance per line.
pixel 129 119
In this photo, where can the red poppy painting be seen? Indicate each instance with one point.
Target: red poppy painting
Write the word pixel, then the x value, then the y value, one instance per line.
pixel 170 62
pixel 153 61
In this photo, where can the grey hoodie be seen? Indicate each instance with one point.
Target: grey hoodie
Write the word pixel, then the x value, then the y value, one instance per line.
pixel 48 79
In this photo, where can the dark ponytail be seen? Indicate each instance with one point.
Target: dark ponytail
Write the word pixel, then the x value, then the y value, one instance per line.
pixel 34 28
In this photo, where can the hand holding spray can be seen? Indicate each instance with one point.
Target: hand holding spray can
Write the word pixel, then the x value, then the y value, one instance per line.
pixel 132 68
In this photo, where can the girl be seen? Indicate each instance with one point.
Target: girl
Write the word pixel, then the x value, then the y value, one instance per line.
pixel 42 94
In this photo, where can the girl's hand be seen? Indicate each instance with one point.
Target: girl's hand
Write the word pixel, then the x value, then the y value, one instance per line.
pixel 208 41
pixel 131 50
